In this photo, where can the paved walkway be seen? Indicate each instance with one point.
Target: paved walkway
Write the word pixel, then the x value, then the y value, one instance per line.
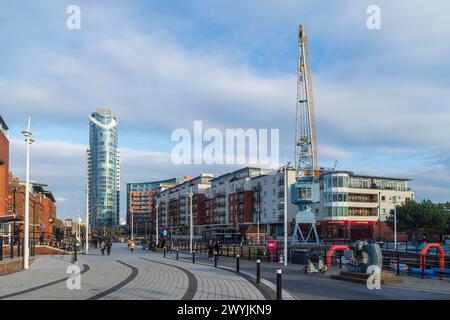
pixel 125 275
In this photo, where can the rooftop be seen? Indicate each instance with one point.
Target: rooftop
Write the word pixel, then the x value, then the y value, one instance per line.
pixel 351 174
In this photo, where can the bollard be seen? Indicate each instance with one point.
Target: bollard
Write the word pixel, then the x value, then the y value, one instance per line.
pixel 398 263
pixel 249 253
pixel 340 260
pixel 75 258
pixel 193 256
pixel 258 271
pixel 237 264
pixel 177 253
pixel 215 259
pixel 164 250
pixel 423 267
pixel 279 290
pixel 11 253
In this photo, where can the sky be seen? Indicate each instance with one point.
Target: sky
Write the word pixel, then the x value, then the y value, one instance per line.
pixel 381 96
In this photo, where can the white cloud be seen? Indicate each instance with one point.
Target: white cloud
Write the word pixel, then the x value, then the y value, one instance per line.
pixel 381 95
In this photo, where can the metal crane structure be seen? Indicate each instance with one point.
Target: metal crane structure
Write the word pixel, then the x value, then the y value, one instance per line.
pixel 305 192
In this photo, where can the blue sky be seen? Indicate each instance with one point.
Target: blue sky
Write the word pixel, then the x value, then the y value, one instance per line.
pixel 381 97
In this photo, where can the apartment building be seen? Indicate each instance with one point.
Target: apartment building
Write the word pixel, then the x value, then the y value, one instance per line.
pixel 229 204
pixel 356 206
pixel 174 205
pixel 141 204
pixel 268 198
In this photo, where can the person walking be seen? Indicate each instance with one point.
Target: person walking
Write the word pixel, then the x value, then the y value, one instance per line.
pixel 131 245
pixel 103 247
pixel 108 247
pixel 217 247
pixel 210 250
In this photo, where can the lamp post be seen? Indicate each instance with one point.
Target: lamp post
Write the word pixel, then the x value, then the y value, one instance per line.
pixel 27 133
pixel 156 222
pixel 86 250
pixel 379 215
pixel 258 218
pixel 13 231
pixel 191 220
pixel 394 201
pixel 285 215
pixel 132 218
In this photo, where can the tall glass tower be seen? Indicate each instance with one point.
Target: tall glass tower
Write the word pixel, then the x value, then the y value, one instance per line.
pixel 103 170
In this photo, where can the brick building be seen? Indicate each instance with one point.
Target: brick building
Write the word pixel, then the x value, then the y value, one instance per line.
pixel 4 167
pixel 42 209
pixel 141 204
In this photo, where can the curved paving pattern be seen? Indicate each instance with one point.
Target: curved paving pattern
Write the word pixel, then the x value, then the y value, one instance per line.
pixel 215 283
pixel 125 275
pixel 191 279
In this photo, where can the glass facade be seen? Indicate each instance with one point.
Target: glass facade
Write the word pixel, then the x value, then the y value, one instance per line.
pixel 103 167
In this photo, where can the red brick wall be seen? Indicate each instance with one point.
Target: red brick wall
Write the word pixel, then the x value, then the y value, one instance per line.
pixel 49 212
pixel 241 207
pixel 198 204
pixel 248 206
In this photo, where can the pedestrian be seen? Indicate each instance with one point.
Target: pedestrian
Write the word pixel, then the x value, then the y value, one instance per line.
pixel 210 250
pixel 108 246
pixel 131 245
pixel 103 247
pixel 41 239
pixel 217 247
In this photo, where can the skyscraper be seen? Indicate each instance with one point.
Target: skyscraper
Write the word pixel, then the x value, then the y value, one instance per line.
pixel 103 170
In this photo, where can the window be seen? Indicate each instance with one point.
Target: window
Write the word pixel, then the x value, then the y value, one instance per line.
pixel 304 193
pixel 365 184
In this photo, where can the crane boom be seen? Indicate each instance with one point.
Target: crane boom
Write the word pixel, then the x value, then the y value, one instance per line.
pixel 306 190
pixel 305 131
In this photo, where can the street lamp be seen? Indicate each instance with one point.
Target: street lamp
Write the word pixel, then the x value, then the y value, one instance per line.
pixel 86 250
pixel 132 217
pixel 191 220
pixel 394 201
pixel 285 214
pixel 27 133
pixel 156 227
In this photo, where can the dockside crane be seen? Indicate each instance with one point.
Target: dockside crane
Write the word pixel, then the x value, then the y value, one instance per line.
pixel 305 192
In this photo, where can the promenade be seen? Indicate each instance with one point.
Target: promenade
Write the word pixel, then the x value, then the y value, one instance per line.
pixel 148 275
pixel 124 275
